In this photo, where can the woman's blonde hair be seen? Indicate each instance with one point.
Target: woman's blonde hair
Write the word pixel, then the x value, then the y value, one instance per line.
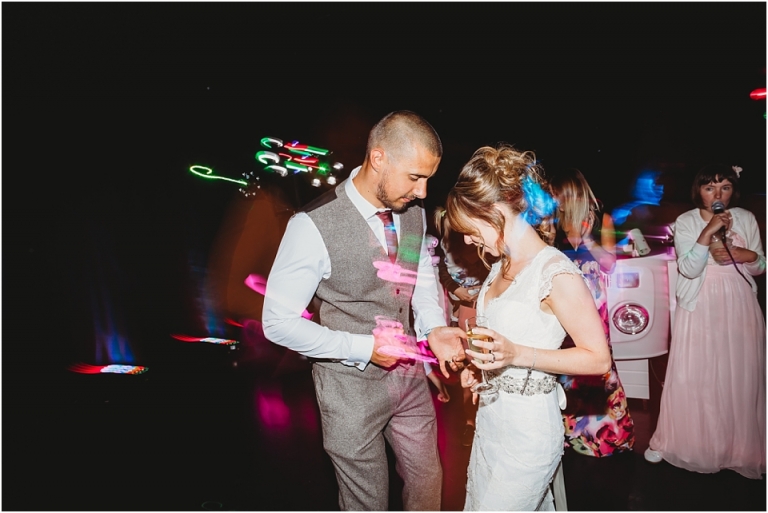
pixel 500 175
pixel 439 219
pixel 576 199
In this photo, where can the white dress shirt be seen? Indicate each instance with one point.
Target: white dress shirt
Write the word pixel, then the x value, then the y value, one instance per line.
pixel 302 261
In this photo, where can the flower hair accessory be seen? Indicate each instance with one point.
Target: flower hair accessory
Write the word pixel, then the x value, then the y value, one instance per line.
pixel 737 170
pixel 540 203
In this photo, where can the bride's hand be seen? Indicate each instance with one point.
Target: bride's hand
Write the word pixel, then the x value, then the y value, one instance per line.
pixel 500 351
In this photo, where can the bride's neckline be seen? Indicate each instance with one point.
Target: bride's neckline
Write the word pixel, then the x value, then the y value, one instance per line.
pixel 511 281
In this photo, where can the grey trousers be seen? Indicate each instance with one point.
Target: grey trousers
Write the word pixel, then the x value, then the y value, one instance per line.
pixel 359 411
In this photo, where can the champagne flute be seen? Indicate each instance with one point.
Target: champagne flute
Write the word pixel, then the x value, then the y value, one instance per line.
pixel 484 387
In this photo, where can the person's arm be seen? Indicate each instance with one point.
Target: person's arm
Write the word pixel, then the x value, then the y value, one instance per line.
pixel 429 317
pixel 301 262
pixel 604 252
pixel 442 390
pixel 572 303
pixel 753 256
pixel 691 254
pixel 426 309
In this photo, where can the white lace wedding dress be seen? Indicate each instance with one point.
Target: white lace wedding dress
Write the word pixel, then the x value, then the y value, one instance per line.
pixel 519 437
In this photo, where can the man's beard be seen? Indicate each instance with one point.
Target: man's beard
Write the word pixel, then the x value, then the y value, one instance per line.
pixel 381 195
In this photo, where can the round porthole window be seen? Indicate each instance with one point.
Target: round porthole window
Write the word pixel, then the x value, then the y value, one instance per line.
pixel 630 319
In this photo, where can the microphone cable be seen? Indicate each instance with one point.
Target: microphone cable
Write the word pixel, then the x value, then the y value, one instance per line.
pixel 718 208
pixel 733 261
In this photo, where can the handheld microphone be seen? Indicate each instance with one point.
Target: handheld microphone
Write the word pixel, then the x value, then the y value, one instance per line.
pixel 718 208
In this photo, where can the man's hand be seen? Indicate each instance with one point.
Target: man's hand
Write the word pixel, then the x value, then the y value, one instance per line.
pixel 446 343
pixel 388 334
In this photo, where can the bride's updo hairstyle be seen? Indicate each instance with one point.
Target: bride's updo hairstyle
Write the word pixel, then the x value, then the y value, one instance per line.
pixel 501 175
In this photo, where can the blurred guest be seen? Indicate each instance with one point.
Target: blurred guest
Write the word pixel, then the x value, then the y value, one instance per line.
pixel 646 191
pixel 461 273
pixel 656 203
pixel 712 413
pixel 359 250
pixel 643 212
pixel 246 244
pixel 597 420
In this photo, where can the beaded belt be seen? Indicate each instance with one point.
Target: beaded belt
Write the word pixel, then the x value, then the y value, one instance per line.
pixel 526 385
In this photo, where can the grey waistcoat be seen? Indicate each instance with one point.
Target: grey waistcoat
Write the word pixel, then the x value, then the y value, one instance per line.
pixel 352 297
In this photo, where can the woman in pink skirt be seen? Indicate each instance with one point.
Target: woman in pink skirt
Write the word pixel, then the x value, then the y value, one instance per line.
pixel 713 404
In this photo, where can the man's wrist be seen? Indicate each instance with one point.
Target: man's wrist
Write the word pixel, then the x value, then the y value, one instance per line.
pixel 428 331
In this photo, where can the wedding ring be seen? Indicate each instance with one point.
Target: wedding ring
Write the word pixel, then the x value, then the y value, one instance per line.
pixel 494 357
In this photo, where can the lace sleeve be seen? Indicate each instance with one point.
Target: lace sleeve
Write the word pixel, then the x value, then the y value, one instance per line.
pixel 557 265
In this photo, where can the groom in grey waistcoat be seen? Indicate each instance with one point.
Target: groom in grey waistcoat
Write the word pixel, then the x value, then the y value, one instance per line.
pixel 358 251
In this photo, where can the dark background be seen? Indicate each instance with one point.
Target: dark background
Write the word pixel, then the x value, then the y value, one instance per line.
pixel 105 107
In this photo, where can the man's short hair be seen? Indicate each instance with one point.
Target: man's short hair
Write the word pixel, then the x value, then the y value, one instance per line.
pixel 399 130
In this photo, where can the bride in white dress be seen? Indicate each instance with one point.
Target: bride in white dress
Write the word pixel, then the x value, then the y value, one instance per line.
pixel 533 295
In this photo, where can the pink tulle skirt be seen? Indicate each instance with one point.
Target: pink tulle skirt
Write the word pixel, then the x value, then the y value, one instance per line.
pixel 713 403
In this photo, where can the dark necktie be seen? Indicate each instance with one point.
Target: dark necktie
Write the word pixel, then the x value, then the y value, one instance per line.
pixel 390 233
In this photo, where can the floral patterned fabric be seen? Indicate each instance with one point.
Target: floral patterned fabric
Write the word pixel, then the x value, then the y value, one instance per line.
pixel 597 420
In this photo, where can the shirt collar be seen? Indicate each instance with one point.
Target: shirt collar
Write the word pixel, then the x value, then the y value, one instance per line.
pixel 362 204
